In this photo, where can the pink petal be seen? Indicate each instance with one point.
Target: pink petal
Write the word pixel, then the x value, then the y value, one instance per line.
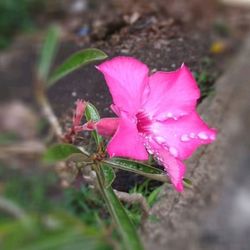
pixel 174 167
pixel 183 136
pixel 127 142
pixel 172 94
pixel 126 78
pixel 80 108
pixel 107 126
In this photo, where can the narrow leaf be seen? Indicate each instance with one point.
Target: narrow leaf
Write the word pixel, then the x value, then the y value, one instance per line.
pixel 48 52
pixel 138 168
pixel 92 114
pixel 126 228
pixel 61 152
pixel 109 175
pixel 187 182
pixel 152 198
pixel 75 61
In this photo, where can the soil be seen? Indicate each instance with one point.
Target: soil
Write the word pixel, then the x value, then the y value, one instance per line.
pixel 163 34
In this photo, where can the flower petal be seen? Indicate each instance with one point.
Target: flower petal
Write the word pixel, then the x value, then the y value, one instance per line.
pixel 175 169
pixel 127 79
pixel 172 94
pixel 173 166
pixel 107 126
pixel 127 142
pixel 79 111
pixel 184 135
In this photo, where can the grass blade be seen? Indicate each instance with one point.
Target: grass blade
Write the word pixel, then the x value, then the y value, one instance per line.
pixel 48 52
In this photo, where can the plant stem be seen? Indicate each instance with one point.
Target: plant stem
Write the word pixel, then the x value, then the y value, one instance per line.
pixel 47 110
pixel 118 213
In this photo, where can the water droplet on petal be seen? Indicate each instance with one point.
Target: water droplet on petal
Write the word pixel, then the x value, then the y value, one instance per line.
pixel 203 136
pixel 192 135
pixel 185 138
pixel 169 115
pixel 160 139
pixel 150 150
pixel 173 151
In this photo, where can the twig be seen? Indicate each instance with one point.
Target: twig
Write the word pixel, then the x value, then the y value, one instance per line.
pixel 51 117
pixel 46 109
pixel 27 148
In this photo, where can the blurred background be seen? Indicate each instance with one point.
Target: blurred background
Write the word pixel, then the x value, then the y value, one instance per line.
pixel 50 207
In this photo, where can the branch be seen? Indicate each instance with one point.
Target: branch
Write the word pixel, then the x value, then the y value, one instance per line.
pixel 27 148
pixel 51 117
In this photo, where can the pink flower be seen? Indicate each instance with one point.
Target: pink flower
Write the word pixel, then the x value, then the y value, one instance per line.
pixel 156 115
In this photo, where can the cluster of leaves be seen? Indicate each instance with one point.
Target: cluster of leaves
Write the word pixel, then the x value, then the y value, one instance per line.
pixel 17 16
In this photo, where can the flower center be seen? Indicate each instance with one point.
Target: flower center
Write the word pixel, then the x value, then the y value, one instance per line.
pixel 143 122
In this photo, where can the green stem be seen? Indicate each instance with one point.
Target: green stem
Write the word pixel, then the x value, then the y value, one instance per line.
pixel 125 226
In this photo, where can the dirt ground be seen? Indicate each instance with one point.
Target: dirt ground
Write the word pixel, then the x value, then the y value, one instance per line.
pixel 163 34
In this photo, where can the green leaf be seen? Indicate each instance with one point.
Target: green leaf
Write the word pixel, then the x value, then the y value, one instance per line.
pixel 152 198
pixel 92 114
pixel 138 168
pixel 126 228
pixel 188 183
pixel 61 152
pixel 48 52
pixel 75 61
pixel 109 175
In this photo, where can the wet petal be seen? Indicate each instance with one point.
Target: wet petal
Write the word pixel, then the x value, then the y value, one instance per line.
pixel 127 142
pixel 127 79
pixel 183 136
pixel 173 166
pixel 175 169
pixel 172 94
